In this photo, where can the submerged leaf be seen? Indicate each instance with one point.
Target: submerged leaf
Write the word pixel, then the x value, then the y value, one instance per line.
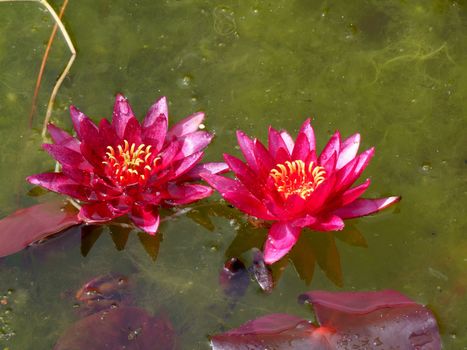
pixel 347 320
pixel 120 328
pixel 32 224
pixel 150 244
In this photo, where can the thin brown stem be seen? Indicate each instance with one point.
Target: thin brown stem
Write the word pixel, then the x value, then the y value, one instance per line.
pixel 43 63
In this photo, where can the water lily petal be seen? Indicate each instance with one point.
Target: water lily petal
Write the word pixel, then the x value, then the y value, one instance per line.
pixel 244 174
pixel 58 135
pixel 307 129
pixel 154 134
pixel 121 115
pixel 329 164
pixel 331 148
pixel 302 148
pixel 352 194
pixel 282 237
pixel 60 183
pixel 328 223
pixel 248 149
pixel 158 110
pixel 185 165
pixel 79 176
pixel 364 206
pixel 352 170
pixel 307 220
pixel 187 193
pixel 316 201
pixel 133 132
pixel 100 212
pixel 194 142
pixel 107 134
pixel 67 157
pixel 276 143
pixel 349 149
pixel 186 126
pixel 77 117
pixel 169 152
pixel 264 159
pixel 237 194
pixel 210 168
pixel 288 140
pixel 145 217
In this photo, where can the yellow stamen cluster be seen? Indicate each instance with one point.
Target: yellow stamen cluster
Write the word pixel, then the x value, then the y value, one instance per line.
pixel 297 178
pixel 130 164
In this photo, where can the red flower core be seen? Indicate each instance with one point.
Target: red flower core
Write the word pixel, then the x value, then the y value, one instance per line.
pixel 297 178
pixel 130 164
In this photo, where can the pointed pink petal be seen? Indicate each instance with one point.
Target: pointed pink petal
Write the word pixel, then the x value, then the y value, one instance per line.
pixel 302 148
pixel 288 140
pixel 121 115
pixel 133 132
pixel 145 217
pixel 248 149
pixel 349 149
pixel 264 159
pixel 194 142
pixel 60 183
pixel 276 143
pixel 67 157
pixel 331 148
pixel 244 174
pixel 187 193
pixel 329 164
pixel 158 110
pixel 107 134
pixel 100 212
pixel 319 197
pixel 154 134
pixel 308 131
pixel 307 220
pixel 350 195
pixel 210 168
pixel 58 135
pixel 282 237
pixel 80 176
pixel 328 223
pixel 363 207
pixel 236 193
pixel 169 152
pixel 185 165
pixel 352 170
pixel 77 118
pixel 186 126
pixel 91 146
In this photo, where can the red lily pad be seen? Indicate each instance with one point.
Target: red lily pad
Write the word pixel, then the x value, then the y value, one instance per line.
pixel 122 328
pixel 348 320
pixel 32 224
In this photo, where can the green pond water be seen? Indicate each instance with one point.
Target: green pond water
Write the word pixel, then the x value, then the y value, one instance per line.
pixel 395 71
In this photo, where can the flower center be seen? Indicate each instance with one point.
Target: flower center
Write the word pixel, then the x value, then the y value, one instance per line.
pixel 130 164
pixel 297 178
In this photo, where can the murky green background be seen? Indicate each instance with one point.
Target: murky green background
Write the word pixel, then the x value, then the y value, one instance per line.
pixel 395 71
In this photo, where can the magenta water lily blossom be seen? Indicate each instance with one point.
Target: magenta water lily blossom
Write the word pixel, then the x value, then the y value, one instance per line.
pixel 290 185
pixel 124 167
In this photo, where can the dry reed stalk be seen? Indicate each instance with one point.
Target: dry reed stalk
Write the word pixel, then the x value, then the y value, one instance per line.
pixel 66 36
pixel 43 63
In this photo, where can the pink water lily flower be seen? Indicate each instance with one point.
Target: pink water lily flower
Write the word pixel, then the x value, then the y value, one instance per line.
pixel 124 167
pixel 290 185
